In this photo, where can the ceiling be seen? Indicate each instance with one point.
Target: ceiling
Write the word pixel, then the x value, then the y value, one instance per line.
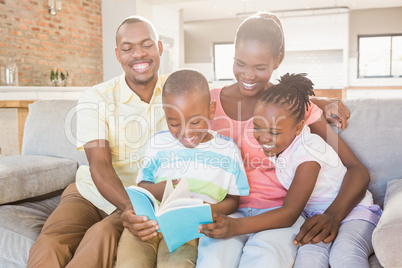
pixel 219 9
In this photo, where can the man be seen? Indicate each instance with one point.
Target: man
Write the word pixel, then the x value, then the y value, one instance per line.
pixel 115 121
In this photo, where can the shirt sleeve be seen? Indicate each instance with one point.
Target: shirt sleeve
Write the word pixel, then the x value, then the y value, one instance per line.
pixel 91 119
pixel 312 149
pixel 313 114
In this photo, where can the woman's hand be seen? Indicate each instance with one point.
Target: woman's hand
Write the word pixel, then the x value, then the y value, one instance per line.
pixel 334 110
pixel 320 227
pixel 222 227
pixel 139 225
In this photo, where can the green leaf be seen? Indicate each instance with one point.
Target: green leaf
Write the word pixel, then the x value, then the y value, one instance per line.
pixel 52 75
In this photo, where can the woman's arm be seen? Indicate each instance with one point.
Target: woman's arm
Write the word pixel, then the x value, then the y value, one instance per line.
pixel 335 111
pixel 296 198
pixel 325 227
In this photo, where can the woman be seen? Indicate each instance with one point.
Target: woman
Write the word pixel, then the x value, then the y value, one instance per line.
pixel 245 240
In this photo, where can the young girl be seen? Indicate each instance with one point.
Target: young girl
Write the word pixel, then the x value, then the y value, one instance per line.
pixel 312 173
pixel 259 49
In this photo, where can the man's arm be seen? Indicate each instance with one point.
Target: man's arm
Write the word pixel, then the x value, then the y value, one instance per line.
pixel 110 186
pixel 104 175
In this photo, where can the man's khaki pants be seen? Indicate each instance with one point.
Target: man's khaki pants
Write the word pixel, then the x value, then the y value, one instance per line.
pixel 133 252
pixel 77 234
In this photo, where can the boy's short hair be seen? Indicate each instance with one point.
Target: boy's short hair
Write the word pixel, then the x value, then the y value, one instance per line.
pixel 186 81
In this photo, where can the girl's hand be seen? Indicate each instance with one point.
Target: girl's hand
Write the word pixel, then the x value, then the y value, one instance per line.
pixel 320 227
pixel 222 227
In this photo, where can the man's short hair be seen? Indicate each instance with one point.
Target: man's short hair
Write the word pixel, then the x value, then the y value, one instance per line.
pixel 186 81
pixel 136 19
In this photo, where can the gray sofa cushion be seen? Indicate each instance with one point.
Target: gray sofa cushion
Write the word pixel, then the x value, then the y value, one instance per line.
pixel 50 129
pixel 378 149
pixel 21 229
pixel 25 176
pixel 387 235
pixel 373 262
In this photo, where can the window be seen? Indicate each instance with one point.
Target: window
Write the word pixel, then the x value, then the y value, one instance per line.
pixel 223 61
pixel 380 56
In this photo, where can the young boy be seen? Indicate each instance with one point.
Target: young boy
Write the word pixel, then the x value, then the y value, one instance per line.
pixel 211 163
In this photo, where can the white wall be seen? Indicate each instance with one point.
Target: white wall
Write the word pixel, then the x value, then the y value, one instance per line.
pixel 317 45
pixel 325 46
pixel 324 67
pixel 310 47
pixel 166 21
pixel 372 22
pixel 321 32
pixel 113 13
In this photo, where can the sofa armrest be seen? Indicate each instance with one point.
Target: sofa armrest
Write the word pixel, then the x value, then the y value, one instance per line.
pixel 27 176
pixel 387 234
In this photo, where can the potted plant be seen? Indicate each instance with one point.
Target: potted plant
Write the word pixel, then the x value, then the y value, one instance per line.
pixel 53 78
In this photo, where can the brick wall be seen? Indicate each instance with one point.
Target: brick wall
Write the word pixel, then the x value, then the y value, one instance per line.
pixel 39 42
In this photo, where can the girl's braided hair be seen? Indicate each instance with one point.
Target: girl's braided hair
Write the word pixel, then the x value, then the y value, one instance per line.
pixel 292 91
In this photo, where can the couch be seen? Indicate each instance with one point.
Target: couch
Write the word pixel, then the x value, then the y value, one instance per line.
pixel 31 183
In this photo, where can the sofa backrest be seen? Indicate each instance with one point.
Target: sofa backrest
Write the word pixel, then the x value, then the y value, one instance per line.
pixel 50 129
pixel 374 134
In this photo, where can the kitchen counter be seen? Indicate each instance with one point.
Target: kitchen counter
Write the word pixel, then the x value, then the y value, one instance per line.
pixel 40 92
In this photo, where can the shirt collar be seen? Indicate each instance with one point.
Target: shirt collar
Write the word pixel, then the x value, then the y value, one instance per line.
pixel 126 94
pixel 305 130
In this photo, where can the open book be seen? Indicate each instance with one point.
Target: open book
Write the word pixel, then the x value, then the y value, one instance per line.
pixel 178 215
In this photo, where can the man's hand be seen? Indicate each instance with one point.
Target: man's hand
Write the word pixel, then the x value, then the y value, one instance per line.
pixel 320 227
pixel 139 225
pixel 221 228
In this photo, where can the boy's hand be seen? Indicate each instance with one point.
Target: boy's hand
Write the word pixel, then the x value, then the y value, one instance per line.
pixel 175 182
pixel 320 227
pixel 139 225
pixel 157 189
pixel 221 228
pixel 162 184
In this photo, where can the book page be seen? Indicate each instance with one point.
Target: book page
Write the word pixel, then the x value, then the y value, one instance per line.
pixel 168 190
pixel 180 192
pixel 180 203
